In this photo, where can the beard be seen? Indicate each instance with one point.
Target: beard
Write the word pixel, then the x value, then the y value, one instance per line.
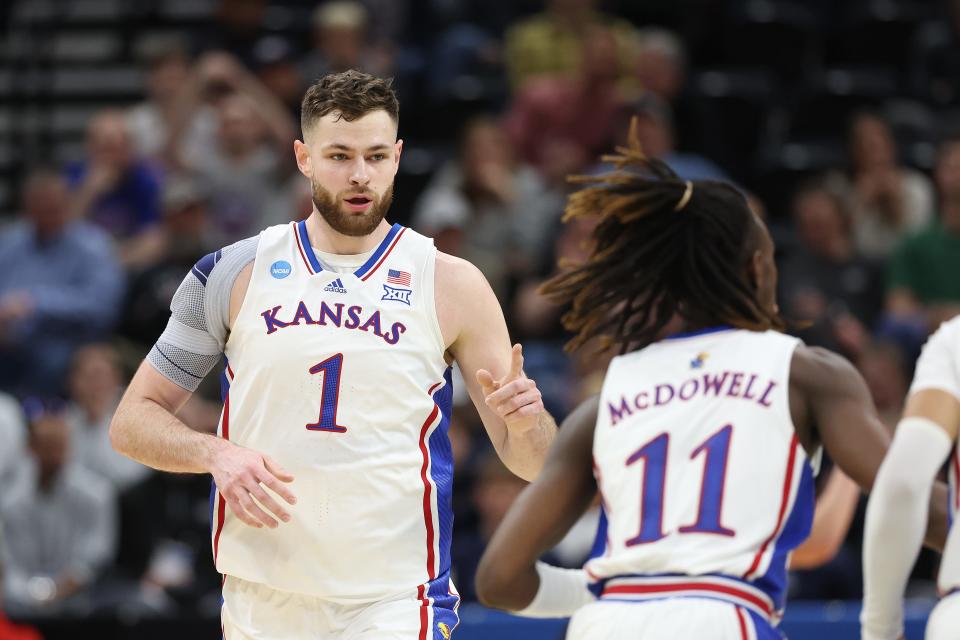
pixel 351 223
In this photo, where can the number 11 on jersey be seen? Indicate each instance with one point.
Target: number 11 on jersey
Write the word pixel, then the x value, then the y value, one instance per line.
pixel 715 450
pixel 330 397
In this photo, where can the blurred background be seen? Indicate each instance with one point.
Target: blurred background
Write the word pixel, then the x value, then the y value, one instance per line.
pixel 135 137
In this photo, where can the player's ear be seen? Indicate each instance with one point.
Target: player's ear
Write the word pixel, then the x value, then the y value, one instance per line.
pixel 302 153
pixel 397 149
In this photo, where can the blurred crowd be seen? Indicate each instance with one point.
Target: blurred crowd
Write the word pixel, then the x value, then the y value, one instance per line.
pixel 519 96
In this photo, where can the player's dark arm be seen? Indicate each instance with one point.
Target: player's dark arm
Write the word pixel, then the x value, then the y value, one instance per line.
pixel 831 404
pixel 541 516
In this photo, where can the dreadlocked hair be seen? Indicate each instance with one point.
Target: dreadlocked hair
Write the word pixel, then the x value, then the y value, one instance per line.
pixel 662 246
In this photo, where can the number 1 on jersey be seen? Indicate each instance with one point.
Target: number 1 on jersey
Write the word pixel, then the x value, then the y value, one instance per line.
pixel 715 450
pixel 330 368
pixel 654 456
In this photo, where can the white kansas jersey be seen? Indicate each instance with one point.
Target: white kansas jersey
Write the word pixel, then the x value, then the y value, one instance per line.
pixel 939 368
pixel 706 488
pixel 341 378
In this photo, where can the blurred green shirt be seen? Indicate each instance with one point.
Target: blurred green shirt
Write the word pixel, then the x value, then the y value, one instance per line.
pixel 928 265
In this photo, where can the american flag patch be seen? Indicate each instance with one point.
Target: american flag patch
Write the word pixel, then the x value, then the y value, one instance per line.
pixel 401 278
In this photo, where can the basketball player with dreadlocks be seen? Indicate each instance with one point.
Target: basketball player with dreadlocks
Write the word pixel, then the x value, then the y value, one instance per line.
pixel 702 445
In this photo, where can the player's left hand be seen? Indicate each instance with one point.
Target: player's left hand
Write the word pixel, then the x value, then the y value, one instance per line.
pixel 514 397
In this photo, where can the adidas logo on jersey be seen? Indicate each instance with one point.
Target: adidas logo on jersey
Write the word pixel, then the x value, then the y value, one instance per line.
pixel 336 286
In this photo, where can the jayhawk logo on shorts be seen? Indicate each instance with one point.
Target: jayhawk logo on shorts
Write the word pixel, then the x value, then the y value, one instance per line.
pixel 444 630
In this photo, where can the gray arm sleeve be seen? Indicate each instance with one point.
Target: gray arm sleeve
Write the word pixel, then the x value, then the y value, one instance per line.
pixel 197 331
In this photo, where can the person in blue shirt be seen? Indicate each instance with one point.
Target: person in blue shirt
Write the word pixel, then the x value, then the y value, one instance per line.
pixel 112 187
pixel 60 286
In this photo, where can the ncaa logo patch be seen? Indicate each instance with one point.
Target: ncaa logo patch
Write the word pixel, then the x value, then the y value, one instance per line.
pixel 400 295
pixel 280 269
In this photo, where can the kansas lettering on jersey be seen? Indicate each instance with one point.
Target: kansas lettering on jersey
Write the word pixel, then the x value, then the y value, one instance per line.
pixel 705 486
pixel 334 316
pixel 348 389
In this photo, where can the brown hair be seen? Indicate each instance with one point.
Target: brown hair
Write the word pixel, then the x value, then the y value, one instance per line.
pixel 351 94
pixel 663 246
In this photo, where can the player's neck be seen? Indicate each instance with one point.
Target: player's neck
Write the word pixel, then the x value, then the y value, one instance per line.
pixel 326 239
pixel 701 326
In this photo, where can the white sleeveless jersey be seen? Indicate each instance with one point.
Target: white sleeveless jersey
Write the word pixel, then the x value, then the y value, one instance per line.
pixel 341 378
pixel 706 488
pixel 939 368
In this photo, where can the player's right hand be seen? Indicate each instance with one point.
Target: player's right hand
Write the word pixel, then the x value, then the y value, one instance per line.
pixel 242 476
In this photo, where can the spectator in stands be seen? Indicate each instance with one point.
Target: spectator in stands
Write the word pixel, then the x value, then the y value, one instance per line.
pixel 505 211
pixel 923 287
pixel 391 20
pixel 340 43
pixel 276 69
pixel 95 384
pixel 168 68
pixel 466 65
pixel 244 169
pixel 183 230
pixel 661 71
pixel 173 246
pixel 564 379
pixel 552 43
pixel 561 124
pixel 823 280
pixel 494 490
pixel 239 25
pixel 661 63
pixel 833 514
pixel 657 138
pixel 888 200
pixel 59 522
pixel 10 630
pixel 535 317
pixel 13 435
pixel 113 187
pixel 938 51
pixel 884 368
pixel 60 286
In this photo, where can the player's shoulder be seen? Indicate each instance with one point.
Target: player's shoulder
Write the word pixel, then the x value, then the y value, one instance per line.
pixel 947 334
pixel 939 364
pixel 943 345
pixel 456 270
pixel 462 291
pixel 818 369
pixel 747 343
pixel 233 257
pixel 453 262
